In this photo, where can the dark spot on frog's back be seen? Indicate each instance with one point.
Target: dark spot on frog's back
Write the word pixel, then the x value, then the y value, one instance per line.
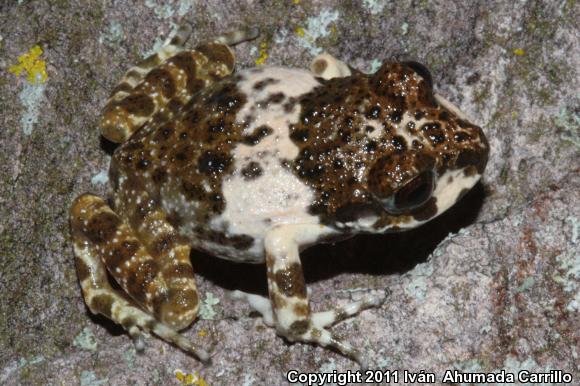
pixel 159 176
pixel 299 135
pixel 275 98
pixel 252 170
pixel 163 133
pixel 257 135
pixel 265 82
pixel 213 162
pixel 193 191
pixel 399 143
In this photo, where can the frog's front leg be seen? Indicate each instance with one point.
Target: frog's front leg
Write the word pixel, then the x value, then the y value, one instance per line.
pixel 291 309
pixel 103 241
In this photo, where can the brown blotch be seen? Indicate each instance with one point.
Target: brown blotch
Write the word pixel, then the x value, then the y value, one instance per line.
pixel 301 309
pixel 319 66
pixel 159 176
pixel 184 61
pixel 299 327
pixel 121 253
pixel 275 98
pixel 83 271
pixel 138 104
pixel 290 281
pixel 122 87
pixel 218 53
pixel 175 219
pixel 469 157
pixel 161 79
pixel 177 300
pixel 193 191
pixel 102 304
pixel 211 162
pixel 128 322
pixel 137 281
pixel 102 227
pixel 278 301
pixel 178 271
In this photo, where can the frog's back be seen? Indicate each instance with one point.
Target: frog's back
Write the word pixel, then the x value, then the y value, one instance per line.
pixel 220 167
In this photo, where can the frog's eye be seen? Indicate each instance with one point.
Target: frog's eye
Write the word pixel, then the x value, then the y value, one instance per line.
pixel 412 195
pixel 422 71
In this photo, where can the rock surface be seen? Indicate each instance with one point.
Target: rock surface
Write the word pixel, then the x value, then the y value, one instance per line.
pixel 493 284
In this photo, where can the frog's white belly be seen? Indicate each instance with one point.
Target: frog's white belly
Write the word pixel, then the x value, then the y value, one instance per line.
pixel 273 195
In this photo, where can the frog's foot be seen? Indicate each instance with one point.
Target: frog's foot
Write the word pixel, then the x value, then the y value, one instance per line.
pixel 157 87
pixel 288 295
pixel 101 241
pixel 260 304
pixel 263 306
pixel 327 66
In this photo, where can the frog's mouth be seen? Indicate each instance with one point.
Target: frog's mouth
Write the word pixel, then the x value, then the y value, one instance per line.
pixel 358 216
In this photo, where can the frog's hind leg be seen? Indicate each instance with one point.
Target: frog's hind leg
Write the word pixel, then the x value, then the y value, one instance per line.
pixel 102 241
pixel 156 88
pixel 290 305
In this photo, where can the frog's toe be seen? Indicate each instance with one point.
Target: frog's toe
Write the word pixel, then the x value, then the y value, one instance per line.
pixel 138 339
pixel 260 304
pixel 329 318
pixel 312 330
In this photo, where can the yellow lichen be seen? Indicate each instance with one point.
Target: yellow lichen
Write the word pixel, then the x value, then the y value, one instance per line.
pixel 202 333
pixel 519 52
pixel 296 1
pixel 190 379
pixel 263 51
pixel 31 63
pixel 300 31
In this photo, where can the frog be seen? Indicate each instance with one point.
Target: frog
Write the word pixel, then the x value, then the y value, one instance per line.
pixel 254 166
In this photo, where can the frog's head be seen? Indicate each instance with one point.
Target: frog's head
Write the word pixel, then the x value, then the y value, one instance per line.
pixel 438 155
